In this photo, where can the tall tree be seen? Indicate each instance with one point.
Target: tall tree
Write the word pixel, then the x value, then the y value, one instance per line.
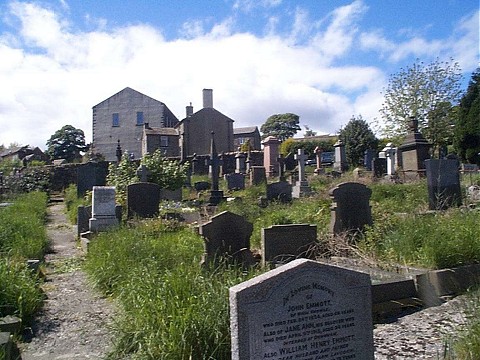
pixel 467 127
pixel 282 126
pixel 424 91
pixel 357 137
pixel 67 143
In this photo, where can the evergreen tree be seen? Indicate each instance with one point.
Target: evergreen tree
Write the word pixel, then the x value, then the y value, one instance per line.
pixel 67 143
pixel 467 127
pixel 282 126
pixel 357 137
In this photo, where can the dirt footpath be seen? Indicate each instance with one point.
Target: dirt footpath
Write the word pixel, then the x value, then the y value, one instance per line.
pixel 74 321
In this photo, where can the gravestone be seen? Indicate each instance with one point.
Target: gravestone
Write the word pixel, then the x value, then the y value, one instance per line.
pixel 301 187
pixel 414 150
pixel 84 213
pixel 103 209
pixel 271 147
pixel 227 236
pixel 443 179
pixel 340 163
pixel 143 200
pixel 240 166
pixel 143 173
pixel 318 160
pixel 235 181
pixel 216 195
pixel 257 175
pixel 171 195
pixel 379 167
pixel 279 191
pixel 89 175
pixel 201 185
pixel 368 157
pixel 390 154
pixel 303 310
pixel 284 243
pixel 350 210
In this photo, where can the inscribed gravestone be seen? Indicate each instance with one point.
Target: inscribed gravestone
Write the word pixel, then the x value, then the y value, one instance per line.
pixel 279 191
pixel 284 243
pixel 350 210
pixel 143 200
pixel 235 181
pixel 443 179
pixel 379 167
pixel 257 175
pixel 227 236
pixel 103 209
pixel 302 310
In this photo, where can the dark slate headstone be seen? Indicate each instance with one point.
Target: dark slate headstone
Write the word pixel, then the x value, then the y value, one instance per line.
pixel 143 200
pixel 284 243
pixel 369 155
pixel 350 211
pixel 227 237
pixel 443 178
pixel 258 175
pixel 279 191
pixel 202 185
pixel 235 181
pixel 303 310
pixel 379 167
pixel 89 175
pixel 84 213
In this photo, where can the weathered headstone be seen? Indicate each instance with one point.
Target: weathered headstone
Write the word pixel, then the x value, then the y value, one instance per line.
pixel 390 154
pixel 350 210
pixel 143 200
pixel 279 191
pixel 171 195
pixel 318 157
pixel 271 147
pixel 216 195
pixel 414 150
pixel 227 236
pixel 379 167
pixel 89 175
pixel 443 179
pixel 284 243
pixel 368 157
pixel 301 311
pixel 257 175
pixel 340 163
pixel 235 181
pixel 301 187
pixel 103 209
pixel 143 173
pixel 240 165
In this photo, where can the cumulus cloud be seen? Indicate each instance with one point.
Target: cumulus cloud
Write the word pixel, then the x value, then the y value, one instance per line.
pixel 53 74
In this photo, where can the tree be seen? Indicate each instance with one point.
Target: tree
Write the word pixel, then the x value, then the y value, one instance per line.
pixel 282 126
pixel 423 91
pixel 467 127
pixel 67 143
pixel 357 137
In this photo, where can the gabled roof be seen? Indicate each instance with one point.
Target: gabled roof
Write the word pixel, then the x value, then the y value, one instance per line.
pixel 205 113
pixel 161 131
pixel 245 130
pixel 127 89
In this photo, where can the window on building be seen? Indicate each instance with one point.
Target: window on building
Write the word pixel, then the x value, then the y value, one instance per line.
pixel 241 141
pixel 163 141
pixel 139 118
pixel 115 119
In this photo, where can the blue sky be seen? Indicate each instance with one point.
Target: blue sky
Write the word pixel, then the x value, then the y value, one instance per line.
pixel 323 60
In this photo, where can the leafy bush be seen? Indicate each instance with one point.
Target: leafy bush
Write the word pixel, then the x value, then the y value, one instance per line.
pixel 30 179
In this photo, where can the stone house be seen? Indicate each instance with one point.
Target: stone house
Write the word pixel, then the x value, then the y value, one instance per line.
pixel 25 154
pixel 165 139
pixel 123 117
pixel 244 134
pixel 196 128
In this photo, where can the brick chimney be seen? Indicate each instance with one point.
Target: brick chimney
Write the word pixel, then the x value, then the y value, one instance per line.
pixel 207 98
pixel 189 109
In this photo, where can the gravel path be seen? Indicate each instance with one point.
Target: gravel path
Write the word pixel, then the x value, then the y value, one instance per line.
pixel 74 321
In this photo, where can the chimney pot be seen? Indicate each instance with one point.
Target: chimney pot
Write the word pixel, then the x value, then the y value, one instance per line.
pixel 207 98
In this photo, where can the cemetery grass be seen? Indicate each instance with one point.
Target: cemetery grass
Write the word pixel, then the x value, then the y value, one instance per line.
pixel 172 308
pixel 22 237
pixel 467 345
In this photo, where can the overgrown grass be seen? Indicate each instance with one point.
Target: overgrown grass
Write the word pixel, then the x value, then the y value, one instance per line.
pixel 72 202
pixel 467 346
pixel 22 237
pixel 171 307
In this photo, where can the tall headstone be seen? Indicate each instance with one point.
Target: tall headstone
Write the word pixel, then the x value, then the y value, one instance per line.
pixel 369 156
pixel 390 154
pixel 227 238
pixel 301 187
pixel 257 175
pixel 240 163
pixel 103 209
pixel 350 210
pixel 271 147
pixel 143 200
pixel 443 178
pixel 143 173
pixel 281 167
pixel 318 158
pixel 414 150
pixel 303 310
pixel 340 163
pixel 216 195
pixel 284 243
pixel 89 175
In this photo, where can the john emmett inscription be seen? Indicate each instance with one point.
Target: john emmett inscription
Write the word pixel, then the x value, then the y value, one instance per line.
pixel 304 310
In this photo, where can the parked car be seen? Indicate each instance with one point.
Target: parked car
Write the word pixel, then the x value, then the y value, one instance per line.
pixel 310 162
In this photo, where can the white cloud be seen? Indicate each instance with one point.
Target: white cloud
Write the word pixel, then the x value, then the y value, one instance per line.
pixel 61 73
